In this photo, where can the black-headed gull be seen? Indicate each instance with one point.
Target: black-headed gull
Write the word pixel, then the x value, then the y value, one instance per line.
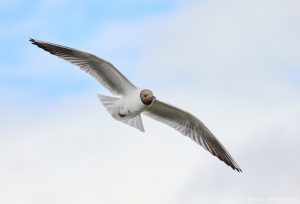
pixel 133 101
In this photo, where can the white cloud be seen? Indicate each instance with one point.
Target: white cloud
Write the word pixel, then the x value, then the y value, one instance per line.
pixel 232 56
pixel 74 153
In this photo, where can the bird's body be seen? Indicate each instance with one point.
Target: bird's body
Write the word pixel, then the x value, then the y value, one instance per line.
pixel 133 101
pixel 126 109
pixel 129 105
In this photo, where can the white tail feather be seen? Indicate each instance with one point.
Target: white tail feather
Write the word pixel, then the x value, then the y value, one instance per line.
pixel 135 122
pixel 109 103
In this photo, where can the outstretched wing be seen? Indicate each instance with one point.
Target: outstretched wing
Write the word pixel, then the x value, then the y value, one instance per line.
pixel 100 69
pixel 190 126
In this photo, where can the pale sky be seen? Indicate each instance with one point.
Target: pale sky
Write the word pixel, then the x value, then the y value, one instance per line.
pixel 234 64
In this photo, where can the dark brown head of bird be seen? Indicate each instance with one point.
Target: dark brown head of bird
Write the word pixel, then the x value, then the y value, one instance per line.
pixel 147 96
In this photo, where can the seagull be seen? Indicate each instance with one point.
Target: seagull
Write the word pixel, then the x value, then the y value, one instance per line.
pixel 132 101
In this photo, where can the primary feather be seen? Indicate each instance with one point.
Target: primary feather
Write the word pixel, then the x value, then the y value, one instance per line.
pixel 101 70
pixel 192 127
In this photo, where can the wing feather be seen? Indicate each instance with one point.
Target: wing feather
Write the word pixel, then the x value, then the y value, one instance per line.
pixel 192 127
pixel 101 70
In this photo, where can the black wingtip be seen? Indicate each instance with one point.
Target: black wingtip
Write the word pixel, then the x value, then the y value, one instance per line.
pixel 32 41
pixel 238 169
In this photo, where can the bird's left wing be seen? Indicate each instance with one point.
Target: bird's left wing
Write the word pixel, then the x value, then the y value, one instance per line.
pixel 192 127
pixel 101 70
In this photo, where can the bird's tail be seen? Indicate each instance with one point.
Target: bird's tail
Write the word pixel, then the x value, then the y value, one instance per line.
pixel 132 120
pixel 108 102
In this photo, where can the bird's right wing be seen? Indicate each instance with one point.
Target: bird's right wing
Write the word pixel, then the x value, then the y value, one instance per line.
pixel 192 127
pixel 101 70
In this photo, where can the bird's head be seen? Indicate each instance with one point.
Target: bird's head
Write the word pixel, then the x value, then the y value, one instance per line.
pixel 147 96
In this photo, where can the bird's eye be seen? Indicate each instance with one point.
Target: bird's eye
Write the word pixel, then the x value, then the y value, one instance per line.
pixel 145 95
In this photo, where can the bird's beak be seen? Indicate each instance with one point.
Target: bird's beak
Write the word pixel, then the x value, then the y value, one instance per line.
pixel 154 98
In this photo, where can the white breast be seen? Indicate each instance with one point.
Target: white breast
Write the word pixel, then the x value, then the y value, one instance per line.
pixel 131 104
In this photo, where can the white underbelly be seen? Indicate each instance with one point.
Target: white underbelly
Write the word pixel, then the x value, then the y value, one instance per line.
pixel 132 105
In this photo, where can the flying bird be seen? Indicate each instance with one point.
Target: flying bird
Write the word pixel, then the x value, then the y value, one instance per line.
pixel 132 101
